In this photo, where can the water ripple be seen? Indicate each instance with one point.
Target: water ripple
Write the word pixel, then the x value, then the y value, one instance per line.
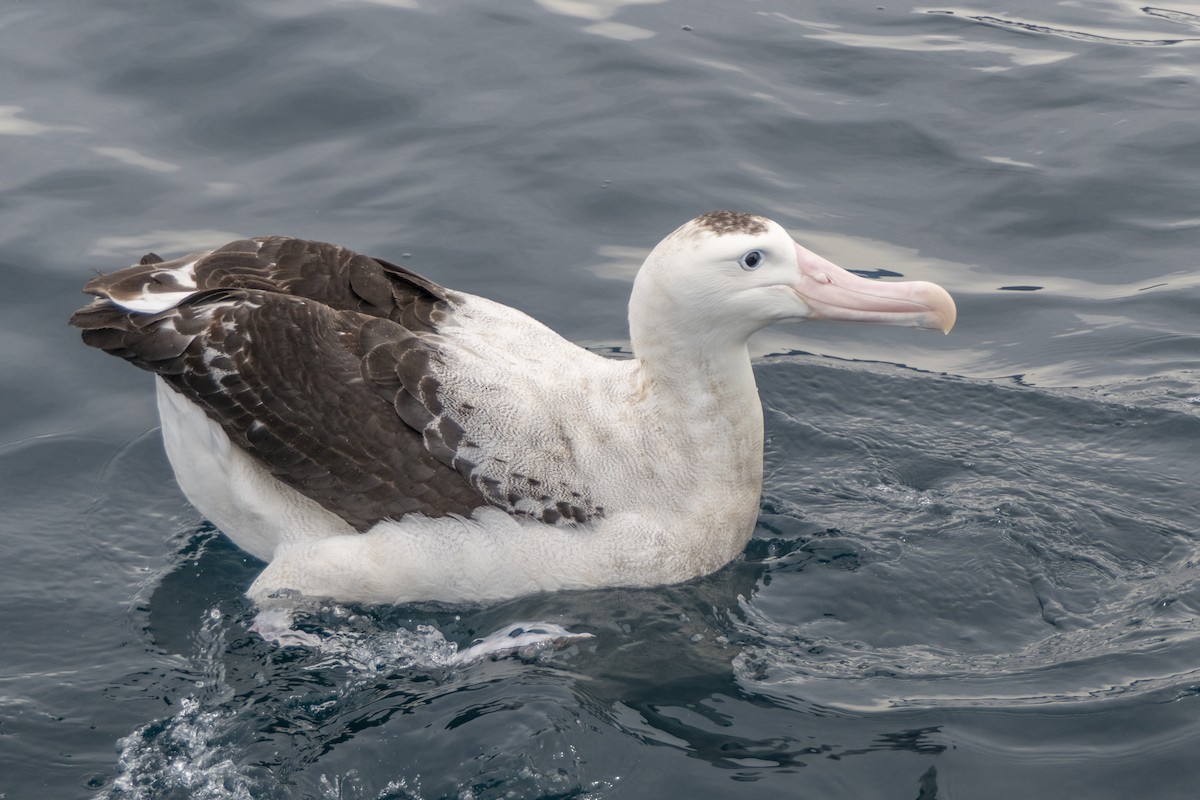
pixel 1087 36
pixel 1040 556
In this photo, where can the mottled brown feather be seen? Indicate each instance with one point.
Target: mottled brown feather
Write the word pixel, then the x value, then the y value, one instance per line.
pixel 284 377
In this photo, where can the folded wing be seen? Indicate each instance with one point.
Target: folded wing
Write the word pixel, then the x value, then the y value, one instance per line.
pixel 344 376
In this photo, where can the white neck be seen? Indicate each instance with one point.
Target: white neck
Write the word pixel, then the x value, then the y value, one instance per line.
pixel 689 360
pixel 702 379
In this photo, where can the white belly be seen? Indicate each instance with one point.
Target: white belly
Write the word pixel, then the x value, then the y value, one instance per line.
pixel 491 556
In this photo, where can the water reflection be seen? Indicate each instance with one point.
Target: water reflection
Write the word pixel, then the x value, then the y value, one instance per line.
pixel 12 124
pixel 600 13
pixel 127 155
pixel 926 42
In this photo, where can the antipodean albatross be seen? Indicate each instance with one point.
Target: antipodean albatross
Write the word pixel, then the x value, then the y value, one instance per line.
pixel 377 437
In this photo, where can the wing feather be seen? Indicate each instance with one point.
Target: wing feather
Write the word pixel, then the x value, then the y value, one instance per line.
pixel 369 388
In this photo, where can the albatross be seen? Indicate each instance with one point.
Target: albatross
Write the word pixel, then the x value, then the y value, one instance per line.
pixel 378 438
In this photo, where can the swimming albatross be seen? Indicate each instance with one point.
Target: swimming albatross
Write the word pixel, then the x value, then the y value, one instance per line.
pixel 377 437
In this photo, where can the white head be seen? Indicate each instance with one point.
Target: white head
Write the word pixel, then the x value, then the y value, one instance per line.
pixel 724 275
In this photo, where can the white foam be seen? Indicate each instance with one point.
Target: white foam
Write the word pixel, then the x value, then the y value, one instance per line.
pixel 192 753
pixel 424 648
pixel 182 756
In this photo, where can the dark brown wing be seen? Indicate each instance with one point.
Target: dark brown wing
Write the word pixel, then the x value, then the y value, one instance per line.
pixel 332 275
pixel 282 374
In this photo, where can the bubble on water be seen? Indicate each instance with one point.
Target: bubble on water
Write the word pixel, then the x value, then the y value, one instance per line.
pixel 182 757
pixel 199 752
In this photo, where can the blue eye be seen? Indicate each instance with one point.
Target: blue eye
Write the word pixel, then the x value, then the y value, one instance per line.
pixel 752 260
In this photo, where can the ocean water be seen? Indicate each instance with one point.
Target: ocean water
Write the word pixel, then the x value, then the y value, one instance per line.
pixel 976 572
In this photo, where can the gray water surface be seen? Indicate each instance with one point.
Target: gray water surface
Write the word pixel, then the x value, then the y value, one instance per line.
pixel 977 568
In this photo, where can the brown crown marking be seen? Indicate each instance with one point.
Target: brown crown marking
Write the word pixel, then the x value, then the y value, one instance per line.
pixel 722 222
